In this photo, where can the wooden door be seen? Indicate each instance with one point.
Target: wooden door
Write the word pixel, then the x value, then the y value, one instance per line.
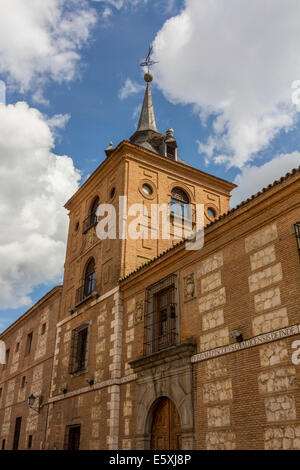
pixel 166 427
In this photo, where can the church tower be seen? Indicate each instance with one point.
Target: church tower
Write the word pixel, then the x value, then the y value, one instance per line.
pixel 146 170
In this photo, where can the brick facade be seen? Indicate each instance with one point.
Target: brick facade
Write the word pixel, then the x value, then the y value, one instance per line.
pixel 28 373
pixel 246 278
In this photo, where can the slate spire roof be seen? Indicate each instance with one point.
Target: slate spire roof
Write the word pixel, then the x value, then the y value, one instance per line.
pixel 147 118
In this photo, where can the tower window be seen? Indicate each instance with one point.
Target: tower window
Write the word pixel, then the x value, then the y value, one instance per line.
pixel 23 382
pixel 89 278
pixel 91 219
pixel 88 282
pixel 179 202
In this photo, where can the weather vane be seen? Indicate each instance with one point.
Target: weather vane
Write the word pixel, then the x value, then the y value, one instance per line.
pixel 148 62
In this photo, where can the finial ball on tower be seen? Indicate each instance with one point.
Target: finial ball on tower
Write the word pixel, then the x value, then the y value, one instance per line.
pixel 148 77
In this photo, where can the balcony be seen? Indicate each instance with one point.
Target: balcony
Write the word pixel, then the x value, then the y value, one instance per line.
pixel 161 342
pixel 82 295
pixel 85 291
pixel 182 352
pixel 89 222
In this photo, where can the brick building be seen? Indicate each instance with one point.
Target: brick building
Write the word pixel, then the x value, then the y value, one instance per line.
pixel 151 345
pixel 28 370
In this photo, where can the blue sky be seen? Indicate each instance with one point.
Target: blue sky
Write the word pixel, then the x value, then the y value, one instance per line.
pixel 223 82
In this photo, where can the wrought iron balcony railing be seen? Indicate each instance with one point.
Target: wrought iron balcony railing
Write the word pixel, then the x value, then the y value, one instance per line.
pixel 83 293
pixel 89 222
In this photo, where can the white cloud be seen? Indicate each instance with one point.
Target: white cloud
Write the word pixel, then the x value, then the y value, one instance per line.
pixel 115 3
pixel 35 183
pixel 2 92
pixel 107 12
pixel 58 121
pixel 129 88
pixel 235 61
pixel 253 178
pixel 39 98
pixel 41 40
pixel 118 4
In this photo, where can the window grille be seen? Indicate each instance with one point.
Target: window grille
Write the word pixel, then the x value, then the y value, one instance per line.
pixel 78 359
pixel 161 318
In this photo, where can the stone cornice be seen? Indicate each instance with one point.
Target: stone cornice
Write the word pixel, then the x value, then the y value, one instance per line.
pixel 114 158
pixel 179 351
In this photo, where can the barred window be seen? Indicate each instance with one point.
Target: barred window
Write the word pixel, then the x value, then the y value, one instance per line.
pixel 161 318
pixel 78 360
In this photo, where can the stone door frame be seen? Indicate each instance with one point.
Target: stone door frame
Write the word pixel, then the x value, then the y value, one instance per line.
pixel 172 380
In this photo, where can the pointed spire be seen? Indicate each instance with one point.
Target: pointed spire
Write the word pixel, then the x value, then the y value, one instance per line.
pixel 147 118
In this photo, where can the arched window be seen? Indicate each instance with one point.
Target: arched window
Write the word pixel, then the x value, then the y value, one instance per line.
pixel 94 206
pixel 179 202
pixel 92 217
pixel 89 278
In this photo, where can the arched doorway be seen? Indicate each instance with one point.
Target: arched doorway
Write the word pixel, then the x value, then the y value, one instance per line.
pixel 166 426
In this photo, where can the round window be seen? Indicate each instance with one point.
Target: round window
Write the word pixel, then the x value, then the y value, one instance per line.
pixel 147 189
pixel 211 212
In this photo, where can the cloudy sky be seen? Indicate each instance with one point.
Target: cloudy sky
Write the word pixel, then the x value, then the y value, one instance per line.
pixel 227 81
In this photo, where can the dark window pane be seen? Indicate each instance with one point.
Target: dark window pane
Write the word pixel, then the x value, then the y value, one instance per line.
pixel 28 344
pixel 17 433
pixel 74 438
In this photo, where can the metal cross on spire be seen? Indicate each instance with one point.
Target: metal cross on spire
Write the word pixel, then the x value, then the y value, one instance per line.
pixel 148 62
